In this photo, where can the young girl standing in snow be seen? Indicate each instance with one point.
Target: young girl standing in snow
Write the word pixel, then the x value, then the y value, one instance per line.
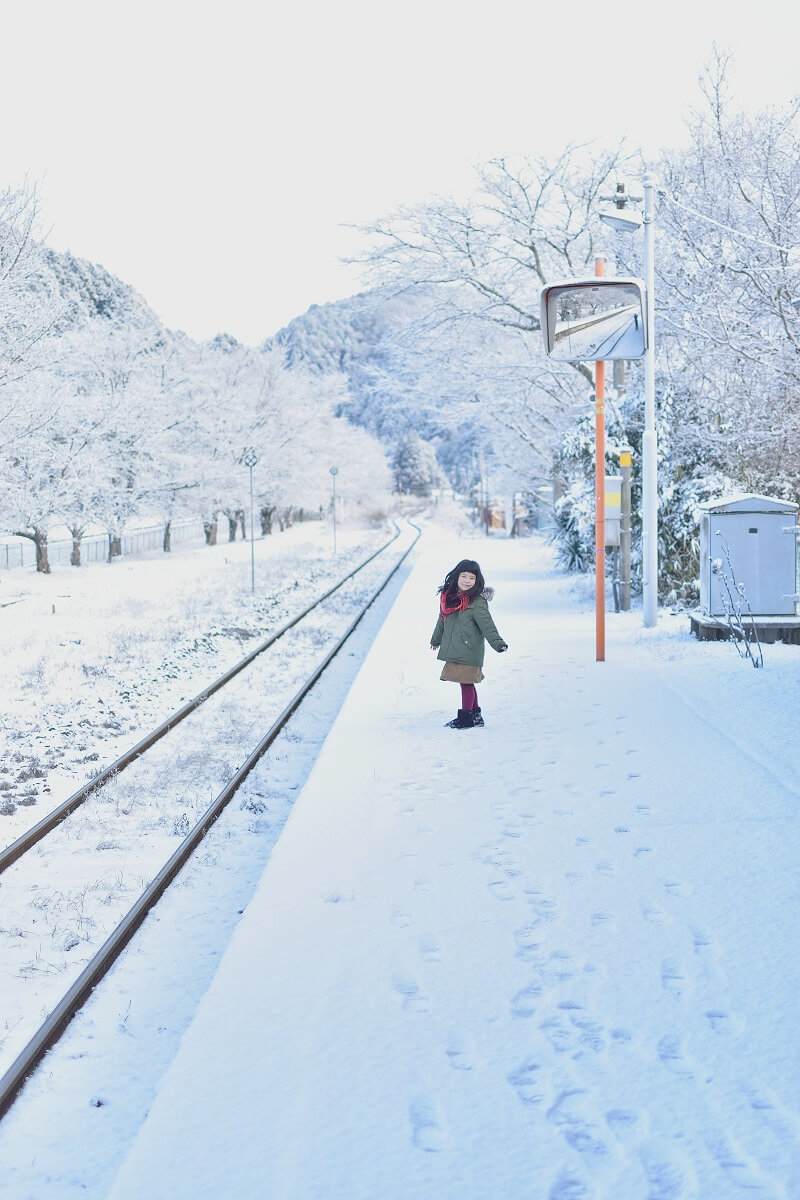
pixel 464 626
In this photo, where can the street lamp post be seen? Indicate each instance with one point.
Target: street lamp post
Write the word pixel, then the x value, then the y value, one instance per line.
pixel 250 458
pixel 621 220
pixel 334 473
pixel 649 443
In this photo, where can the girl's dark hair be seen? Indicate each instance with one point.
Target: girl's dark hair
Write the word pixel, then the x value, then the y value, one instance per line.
pixel 450 585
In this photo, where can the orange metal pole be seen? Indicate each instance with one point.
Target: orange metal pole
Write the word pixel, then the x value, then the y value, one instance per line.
pixel 600 495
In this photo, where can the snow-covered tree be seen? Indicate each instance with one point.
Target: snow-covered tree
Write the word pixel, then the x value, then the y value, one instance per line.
pixel 729 269
pixel 416 471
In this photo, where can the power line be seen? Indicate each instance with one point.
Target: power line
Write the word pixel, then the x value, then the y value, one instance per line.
pixel 728 229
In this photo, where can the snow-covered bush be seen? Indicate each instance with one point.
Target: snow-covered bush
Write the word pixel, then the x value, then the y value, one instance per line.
pixel 572 530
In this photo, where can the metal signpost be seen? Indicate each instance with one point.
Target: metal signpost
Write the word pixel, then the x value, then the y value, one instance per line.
pixel 250 458
pixel 334 473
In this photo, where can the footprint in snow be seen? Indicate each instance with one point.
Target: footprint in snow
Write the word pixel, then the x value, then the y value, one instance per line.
pixel 568 1187
pixel 670 1051
pixel 414 1000
pixel 527 946
pixel 430 950
pixel 702 939
pixel 724 1023
pixel 526 1082
pixel 579 1133
pixel 544 909
pixel 523 1005
pixel 677 887
pixel 461 1054
pixel 673 979
pixel 603 920
pixel 579 1033
pixel 655 916
pixel 783 1122
pixel 741 1170
pixel 427 1131
pixel 402 918
pixel 500 889
pixel 495 856
pixel 667 1178
pixel 623 1123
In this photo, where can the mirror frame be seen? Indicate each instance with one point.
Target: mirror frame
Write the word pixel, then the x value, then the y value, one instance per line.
pixel 549 303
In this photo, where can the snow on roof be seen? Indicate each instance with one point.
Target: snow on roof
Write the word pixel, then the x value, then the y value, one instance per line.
pixel 748 502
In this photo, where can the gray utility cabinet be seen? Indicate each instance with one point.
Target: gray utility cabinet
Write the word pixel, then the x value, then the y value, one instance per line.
pixel 759 533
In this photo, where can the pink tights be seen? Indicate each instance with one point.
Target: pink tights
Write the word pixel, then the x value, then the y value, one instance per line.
pixel 469 696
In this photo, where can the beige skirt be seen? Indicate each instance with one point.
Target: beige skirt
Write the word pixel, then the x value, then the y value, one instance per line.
pixel 461 673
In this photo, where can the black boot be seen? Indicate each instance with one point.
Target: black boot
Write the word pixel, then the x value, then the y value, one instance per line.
pixel 462 721
pixel 477 718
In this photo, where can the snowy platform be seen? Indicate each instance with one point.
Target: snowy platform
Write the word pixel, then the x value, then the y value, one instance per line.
pixel 551 959
pixel 768 629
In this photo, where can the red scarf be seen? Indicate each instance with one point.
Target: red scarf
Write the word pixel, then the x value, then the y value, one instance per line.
pixel 460 604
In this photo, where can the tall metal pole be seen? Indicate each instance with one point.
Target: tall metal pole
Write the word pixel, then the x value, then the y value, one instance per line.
pixel 250 458
pixel 649 445
pixel 334 472
pixel 252 538
pixel 600 495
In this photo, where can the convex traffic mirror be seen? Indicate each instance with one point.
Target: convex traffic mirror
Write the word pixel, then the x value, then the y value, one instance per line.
pixel 594 318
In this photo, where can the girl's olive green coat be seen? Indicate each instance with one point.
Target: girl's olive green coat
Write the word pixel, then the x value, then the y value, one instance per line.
pixel 460 637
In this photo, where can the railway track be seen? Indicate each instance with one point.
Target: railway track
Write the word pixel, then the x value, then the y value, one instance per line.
pixel 214 729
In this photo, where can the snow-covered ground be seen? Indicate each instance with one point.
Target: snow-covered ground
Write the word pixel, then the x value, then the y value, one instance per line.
pixel 553 958
pixel 94 658
pixel 61 902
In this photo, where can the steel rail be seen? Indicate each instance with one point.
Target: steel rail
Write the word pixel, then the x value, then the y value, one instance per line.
pixel 33 835
pixel 77 995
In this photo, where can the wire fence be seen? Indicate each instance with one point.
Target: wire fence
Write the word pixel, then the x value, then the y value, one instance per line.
pixel 21 552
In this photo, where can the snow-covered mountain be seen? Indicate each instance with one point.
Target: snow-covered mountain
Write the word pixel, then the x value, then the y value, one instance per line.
pixel 88 292
pixel 400 380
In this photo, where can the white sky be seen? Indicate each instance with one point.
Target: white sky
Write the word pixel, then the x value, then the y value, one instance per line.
pixel 209 153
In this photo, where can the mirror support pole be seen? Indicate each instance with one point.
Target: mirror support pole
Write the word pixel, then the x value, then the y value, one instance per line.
pixel 649 444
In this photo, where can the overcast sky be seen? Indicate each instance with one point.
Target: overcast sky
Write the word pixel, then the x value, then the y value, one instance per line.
pixel 210 153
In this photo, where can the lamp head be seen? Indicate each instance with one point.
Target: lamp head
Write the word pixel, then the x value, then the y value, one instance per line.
pixel 622 219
